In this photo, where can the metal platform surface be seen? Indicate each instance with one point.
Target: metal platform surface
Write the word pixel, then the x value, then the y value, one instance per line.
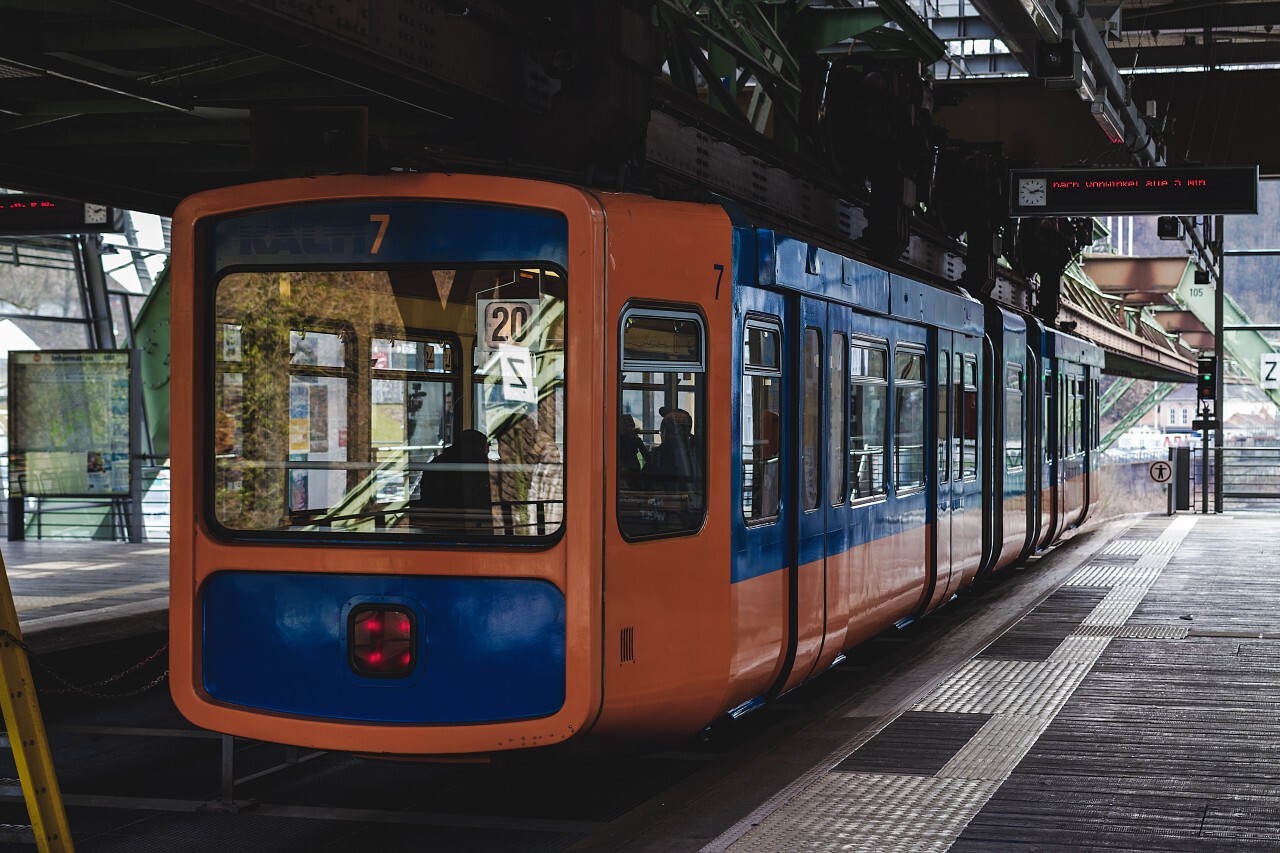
pixel 1121 694
pixel 75 594
pixel 1136 708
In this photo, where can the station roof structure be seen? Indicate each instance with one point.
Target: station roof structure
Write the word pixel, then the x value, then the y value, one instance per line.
pixel 138 103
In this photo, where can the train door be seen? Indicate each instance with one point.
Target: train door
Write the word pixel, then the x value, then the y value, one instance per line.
pixel 1092 441
pixel 1048 451
pixel 1062 480
pixel 946 498
pixel 966 475
pixel 1075 467
pixel 839 533
pixel 764 571
pixel 808 491
pixel 1032 453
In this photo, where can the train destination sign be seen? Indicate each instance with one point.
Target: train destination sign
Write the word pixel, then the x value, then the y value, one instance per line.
pixel 1095 191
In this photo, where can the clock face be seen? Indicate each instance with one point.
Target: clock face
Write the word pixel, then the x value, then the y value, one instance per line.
pixel 95 214
pixel 1031 192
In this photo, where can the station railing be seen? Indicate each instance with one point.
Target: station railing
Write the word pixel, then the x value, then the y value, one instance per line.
pixel 1250 480
pixel 87 517
pixel 1249 474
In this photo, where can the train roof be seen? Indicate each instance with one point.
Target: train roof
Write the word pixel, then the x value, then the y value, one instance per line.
pixel 792 264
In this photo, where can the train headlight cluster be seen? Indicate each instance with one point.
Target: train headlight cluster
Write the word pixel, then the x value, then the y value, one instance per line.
pixel 382 640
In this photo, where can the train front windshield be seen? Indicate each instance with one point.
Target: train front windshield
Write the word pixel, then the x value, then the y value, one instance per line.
pixel 408 401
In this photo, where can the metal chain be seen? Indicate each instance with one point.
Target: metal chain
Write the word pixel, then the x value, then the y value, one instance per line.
pixel 87 689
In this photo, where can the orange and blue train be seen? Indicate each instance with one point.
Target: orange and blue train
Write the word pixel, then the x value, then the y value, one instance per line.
pixel 474 464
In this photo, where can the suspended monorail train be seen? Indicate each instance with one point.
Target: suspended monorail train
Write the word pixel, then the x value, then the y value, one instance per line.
pixel 472 464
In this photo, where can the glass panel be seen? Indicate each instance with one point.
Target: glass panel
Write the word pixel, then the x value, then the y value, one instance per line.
pixel 908 365
pixel 1013 377
pixel 760 348
pixel 969 413
pixel 761 425
pixel 650 338
pixel 661 433
pixel 415 356
pixel 908 447
pixel 867 361
pixel 316 349
pixel 839 384
pixel 944 417
pixel 1045 439
pixel 868 423
pixel 1014 429
pixel 762 449
pixel 957 427
pixel 1014 420
pixel 310 438
pixel 811 419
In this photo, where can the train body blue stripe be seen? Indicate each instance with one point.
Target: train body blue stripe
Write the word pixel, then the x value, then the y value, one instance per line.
pixel 343 233
pixel 489 649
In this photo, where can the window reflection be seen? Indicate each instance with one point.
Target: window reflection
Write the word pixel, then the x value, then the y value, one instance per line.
pixel 407 401
pixel 661 455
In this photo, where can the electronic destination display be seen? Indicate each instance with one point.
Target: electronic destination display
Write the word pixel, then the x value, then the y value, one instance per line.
pixel 1099 191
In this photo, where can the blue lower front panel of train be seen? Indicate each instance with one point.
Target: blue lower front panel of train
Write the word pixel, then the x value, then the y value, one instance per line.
pixel 475 649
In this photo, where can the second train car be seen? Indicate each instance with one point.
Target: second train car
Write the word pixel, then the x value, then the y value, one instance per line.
pixel 474 464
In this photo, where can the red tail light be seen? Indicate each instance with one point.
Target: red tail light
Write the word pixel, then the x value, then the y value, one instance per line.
pixel 381 640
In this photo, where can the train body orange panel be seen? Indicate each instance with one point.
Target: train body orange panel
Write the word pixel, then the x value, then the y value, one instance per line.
pixel 670 597
pixel 885 581
pixel 570 565
pixel 759 635
pixel 1076 506
pixel 1048 519
pixel 1014 529
pixel 966 548
pixel 810 624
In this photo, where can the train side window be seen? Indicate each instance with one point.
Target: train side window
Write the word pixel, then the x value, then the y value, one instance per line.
pixel 761 420
pixel 908 443
pixel 957 414
pixel 1079 415
pixel 839 385
pixel 1070 418
pixel 662 424
pixel 1014 421
pixel 1047 439
pixel 868 419
pixel 944 415
pixel 967 410
pixel 811 419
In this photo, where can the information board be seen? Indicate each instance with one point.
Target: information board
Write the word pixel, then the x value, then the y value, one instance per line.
pixel 1098 191
pixel 69 424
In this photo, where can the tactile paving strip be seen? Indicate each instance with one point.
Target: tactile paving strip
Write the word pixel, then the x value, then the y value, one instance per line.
pixel 872 813
pixel 877 812
pixel 1141 546
pixel 1112 576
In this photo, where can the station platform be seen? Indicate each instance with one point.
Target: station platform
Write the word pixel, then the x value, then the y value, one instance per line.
pixel 1122 693
pixel 76 594
pixel 1134 708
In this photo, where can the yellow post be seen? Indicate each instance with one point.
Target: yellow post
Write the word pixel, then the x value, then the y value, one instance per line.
pixel 26 732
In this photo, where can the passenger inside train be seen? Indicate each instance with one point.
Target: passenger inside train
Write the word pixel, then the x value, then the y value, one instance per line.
pixel 454 490
pixel 674 466
pixel 633 454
